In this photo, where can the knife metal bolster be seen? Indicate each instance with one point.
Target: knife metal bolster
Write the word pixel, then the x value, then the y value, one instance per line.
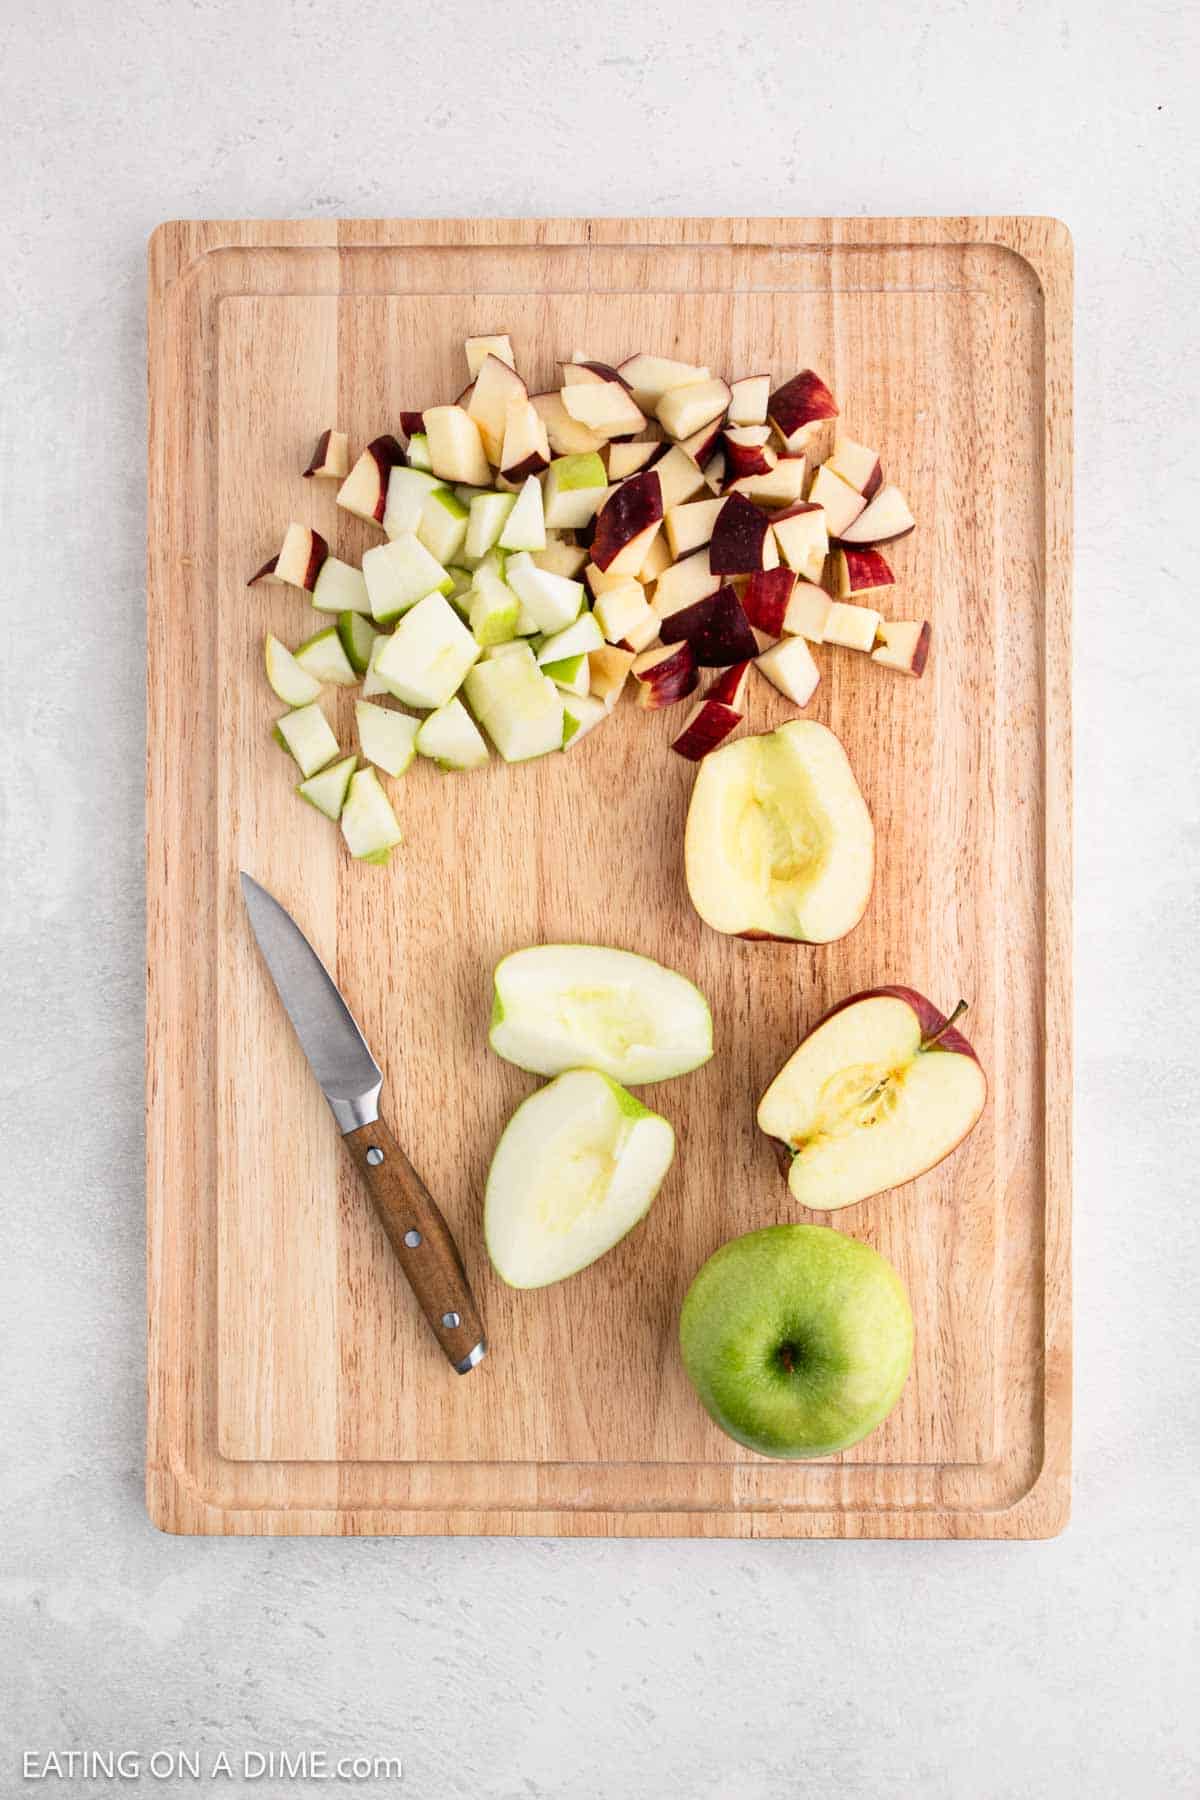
pixel 472 1358
pixel 353 1110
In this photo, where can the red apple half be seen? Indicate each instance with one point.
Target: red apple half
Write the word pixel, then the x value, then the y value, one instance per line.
pixel 716 628
pixel 708 724
pixel 881 1089
pixel 799 407
pixel 632 508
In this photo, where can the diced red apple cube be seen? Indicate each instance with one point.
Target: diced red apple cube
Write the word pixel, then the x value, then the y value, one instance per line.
pixel 708 724
pixel 748 398
pixel 903 645
pixel 842 503
pixel 789 666
pixel 665 675
pixel 331 458
pixel 799 407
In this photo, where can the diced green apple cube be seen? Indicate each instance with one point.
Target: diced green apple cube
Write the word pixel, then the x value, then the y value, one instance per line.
pixel 442 527
pixel 571 674
pixel 577 639
pixel 386 738
pixel 407 491
pixel 294 685
pixel 489 513
pixel 324 656
pixel 306 735
pixel 519 708
pixel 358 637
pixel 399 574
pixel 327 790
pixel 451 738
pixel 368 823
pixel 575 488
pixel 552 601
pixel 493 608
pixel 418 452
pixel 371 683
pixel 340 587
pixel 425 659
pixel 525 527
pixel 581 713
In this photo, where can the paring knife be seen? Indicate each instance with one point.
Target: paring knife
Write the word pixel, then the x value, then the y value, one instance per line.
pixel 351 1080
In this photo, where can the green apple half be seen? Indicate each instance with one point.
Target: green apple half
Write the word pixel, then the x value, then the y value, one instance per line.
pixel 779 842
pixel 577 1166
pixel 572 1006
pixel 881 1089
pixel 797 1340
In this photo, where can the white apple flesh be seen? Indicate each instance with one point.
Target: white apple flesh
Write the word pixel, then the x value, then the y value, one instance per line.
pixel 881 1090
pixel 572 1006
pixel 577 1167
pixel 779 842
pixel 386 738
pixel 369 825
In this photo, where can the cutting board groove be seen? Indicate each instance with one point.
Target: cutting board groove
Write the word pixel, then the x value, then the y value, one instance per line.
pixel 293 1386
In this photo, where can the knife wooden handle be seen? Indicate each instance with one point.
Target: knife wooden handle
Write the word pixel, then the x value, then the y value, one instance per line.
pixel 421 1239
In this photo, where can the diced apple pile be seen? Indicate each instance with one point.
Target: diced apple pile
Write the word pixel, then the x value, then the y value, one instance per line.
pixel 646 526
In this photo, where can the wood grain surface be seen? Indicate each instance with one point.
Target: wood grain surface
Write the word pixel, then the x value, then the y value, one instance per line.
pixel 294 1386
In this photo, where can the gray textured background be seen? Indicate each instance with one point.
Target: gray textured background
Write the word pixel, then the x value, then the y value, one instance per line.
pixel 591 1671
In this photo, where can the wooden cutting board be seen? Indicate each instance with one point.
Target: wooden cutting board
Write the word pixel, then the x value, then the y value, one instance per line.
pixel 293 1386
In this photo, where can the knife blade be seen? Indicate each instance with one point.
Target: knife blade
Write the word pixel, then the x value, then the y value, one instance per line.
pixel 351 1080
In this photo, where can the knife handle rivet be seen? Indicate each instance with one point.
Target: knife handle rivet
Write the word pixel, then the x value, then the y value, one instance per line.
pixel 374 1156
pixel 450 1320
pixel 412 1239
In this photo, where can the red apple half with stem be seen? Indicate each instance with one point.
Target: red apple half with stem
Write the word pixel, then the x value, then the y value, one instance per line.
pixel 779 842
pixel 799 407
pixel 364 491
pixel 708 724
pixel 632 508
pixel 880 1090
pixel 665 675
pixel 716 628
pixel 742 540
pixel 331 459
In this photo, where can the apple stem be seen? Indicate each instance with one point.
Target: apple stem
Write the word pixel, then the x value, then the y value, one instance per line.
pixel 943 1028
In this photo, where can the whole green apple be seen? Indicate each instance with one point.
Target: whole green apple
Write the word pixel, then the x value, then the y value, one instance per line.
pixel 797 1340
